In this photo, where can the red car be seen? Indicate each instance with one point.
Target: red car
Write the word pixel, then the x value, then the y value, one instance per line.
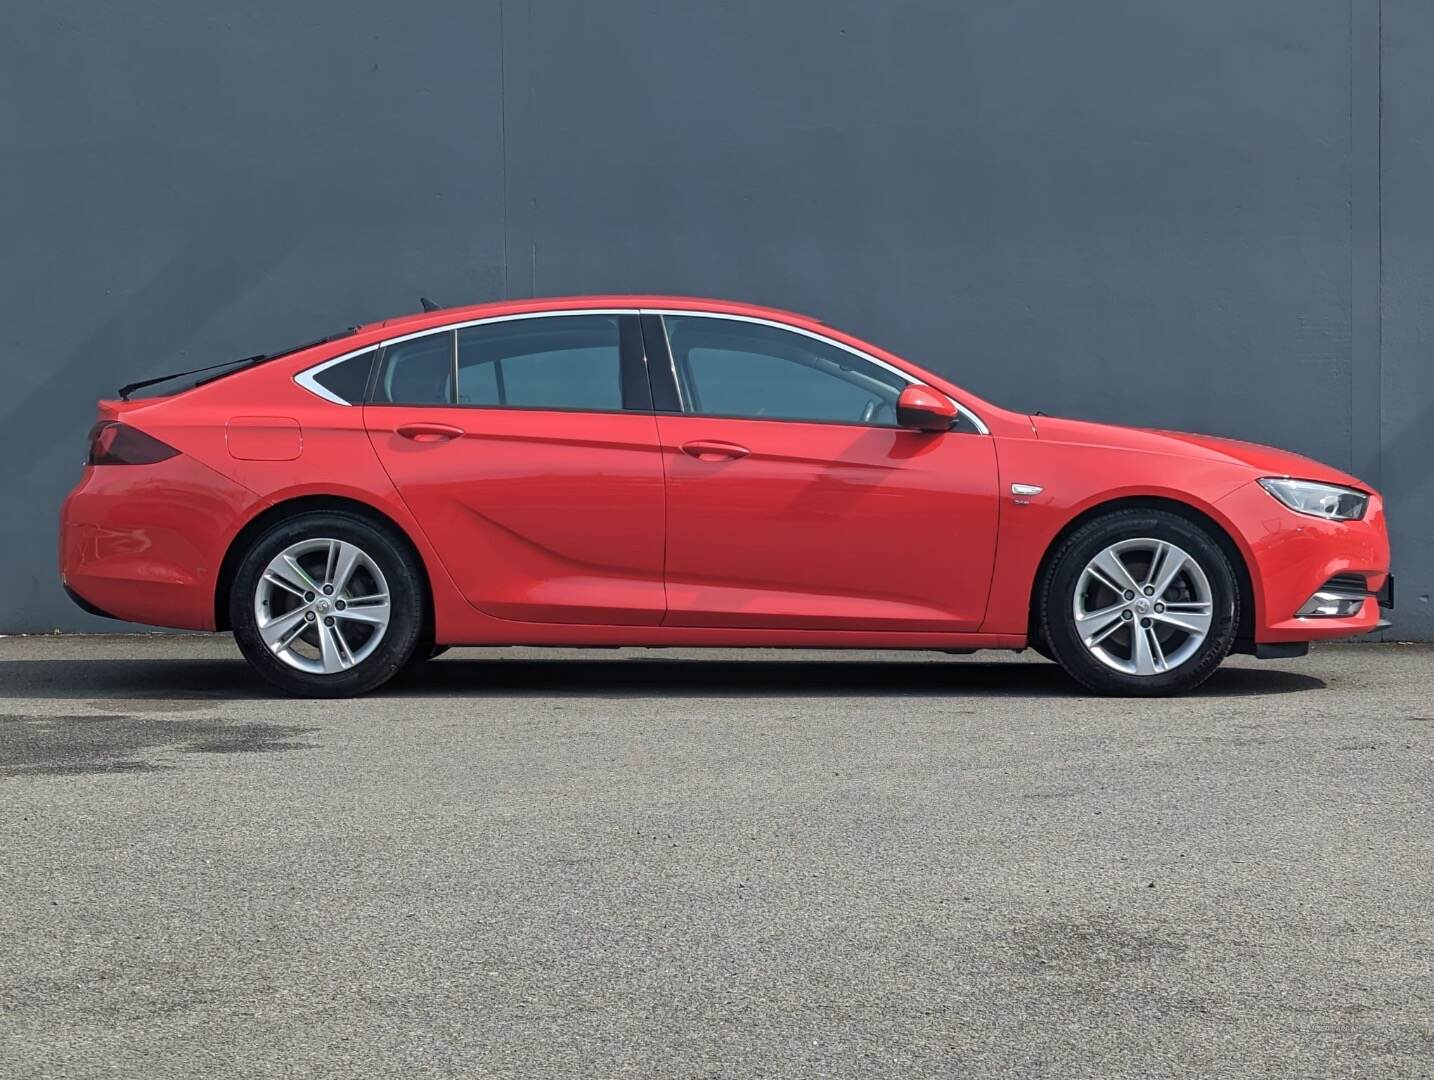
pixel 644 470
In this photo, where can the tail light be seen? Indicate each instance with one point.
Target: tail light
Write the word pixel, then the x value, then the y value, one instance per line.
pixel 113 443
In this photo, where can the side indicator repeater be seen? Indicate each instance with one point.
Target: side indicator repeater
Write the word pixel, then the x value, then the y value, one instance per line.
pixel 1022 493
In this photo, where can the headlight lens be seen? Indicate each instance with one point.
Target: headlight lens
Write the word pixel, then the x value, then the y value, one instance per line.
pixel 1329 501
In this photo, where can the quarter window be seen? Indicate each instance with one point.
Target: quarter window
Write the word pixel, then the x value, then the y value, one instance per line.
pixel 560 362
pixel 348 379
pixel 732 368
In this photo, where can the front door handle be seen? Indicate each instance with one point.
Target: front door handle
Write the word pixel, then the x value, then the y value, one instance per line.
pixel 429 433
pixel 713 450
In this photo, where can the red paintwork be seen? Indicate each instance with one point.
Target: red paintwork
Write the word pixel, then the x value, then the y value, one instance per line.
pixel 147 541
pixel 918 407
pixel 539 517
pixel 828 527
pixel 1286 551
pixel 265 438
pixel 571 528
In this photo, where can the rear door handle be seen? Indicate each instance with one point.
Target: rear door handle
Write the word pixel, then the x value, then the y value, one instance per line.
pixel 713 450
pixel 429 433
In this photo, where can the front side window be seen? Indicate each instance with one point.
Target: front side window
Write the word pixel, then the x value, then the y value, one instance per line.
pixel 557 362
pixel 727 367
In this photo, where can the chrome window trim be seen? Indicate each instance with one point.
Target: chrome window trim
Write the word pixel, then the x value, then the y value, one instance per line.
pixel 976 421
pixel 305 378
pixel 506 318
pixel 671 360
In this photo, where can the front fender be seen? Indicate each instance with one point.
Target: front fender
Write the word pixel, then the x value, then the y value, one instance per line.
pixel 1076 482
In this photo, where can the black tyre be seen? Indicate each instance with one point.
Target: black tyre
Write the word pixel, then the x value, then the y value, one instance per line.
pixel 1039 646
pixel 328 604
pixel 423 652
pixel 1139 602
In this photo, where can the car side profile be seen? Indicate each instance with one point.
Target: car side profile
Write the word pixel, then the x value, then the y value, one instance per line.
pixel 668 471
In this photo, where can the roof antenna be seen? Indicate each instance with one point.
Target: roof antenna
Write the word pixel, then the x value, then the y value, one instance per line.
pixel 429 305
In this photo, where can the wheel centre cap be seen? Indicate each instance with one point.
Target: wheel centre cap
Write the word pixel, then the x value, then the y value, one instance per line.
pixel 1141 606
pixel 324 605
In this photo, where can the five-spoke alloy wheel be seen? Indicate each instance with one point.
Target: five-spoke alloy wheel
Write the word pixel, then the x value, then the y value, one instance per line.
pixel 322 605
pixel 1139 602
pixel 1142 606
pixel 328 604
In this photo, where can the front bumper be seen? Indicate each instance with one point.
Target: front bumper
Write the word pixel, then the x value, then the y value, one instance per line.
pixel 1384 597
pixel 1293 556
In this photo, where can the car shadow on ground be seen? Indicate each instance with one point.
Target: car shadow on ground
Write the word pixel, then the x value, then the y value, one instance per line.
pixel 216 680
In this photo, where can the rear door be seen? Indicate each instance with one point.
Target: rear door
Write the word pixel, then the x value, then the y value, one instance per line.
pixel 527 449
pixel 794 500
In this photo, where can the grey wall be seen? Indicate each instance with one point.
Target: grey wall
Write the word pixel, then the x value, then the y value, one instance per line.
pixel 1212 216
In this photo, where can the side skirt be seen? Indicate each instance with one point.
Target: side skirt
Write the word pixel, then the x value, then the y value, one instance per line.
pixel 571 636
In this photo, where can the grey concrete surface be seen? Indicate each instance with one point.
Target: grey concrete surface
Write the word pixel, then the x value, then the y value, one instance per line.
pixel 713 865
pixel 1211 216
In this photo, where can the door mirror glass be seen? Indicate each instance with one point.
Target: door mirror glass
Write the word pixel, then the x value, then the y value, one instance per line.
pixel 923 409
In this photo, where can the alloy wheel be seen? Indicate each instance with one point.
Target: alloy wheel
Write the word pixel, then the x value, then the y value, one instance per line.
pixel 1143 606
pixel 322 605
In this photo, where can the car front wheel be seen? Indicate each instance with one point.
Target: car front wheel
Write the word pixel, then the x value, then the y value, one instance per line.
pixel 1139 602
pixel 327 605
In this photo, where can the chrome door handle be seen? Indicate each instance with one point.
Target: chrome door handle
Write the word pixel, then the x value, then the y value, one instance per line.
pixel 429 433
pixel 714 450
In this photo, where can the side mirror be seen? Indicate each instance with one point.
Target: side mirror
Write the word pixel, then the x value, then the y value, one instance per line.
pixel 923 409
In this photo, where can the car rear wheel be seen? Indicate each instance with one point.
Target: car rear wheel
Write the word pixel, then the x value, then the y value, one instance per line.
pixel 1139 602
pixel 327 605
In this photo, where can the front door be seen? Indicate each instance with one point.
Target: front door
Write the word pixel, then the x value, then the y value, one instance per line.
pixel 527 450
pixel 795 501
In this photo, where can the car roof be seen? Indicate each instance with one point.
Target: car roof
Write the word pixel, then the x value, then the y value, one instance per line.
pixel 443 316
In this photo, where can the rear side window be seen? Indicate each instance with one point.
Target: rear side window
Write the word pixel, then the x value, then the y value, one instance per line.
pixel 348 379
pixel 560 362
pixel 417 372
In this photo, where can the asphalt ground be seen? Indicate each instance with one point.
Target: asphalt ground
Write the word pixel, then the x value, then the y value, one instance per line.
pixel 529 863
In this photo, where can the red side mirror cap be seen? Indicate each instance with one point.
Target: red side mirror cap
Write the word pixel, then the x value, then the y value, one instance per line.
pixel 923 409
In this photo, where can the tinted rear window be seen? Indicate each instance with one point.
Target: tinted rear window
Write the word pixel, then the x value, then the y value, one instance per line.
pixel 418 371
pixel 555 362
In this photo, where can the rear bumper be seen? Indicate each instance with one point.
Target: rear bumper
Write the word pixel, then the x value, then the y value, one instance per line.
pixel 84 605
pixel 144 543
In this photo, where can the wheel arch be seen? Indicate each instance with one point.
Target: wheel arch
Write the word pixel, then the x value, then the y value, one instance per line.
pixel 303 504
pixel 1218 530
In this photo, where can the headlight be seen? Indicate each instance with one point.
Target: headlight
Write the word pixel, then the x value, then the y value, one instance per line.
pixel 1329 501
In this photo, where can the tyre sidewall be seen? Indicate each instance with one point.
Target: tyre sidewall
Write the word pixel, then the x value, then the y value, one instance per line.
pixel 406 611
